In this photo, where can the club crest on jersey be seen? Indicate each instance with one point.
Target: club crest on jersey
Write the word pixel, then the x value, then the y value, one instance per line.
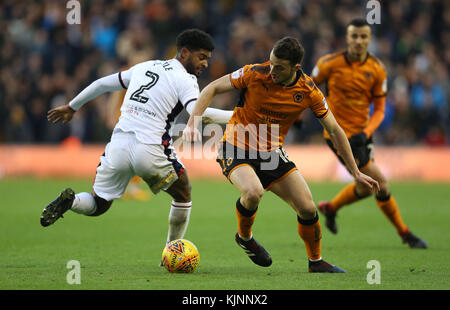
pixel 298 97
pixel 368 75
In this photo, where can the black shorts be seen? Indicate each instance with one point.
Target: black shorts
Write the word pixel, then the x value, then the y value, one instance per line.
pixel 269 166
pixel 362 154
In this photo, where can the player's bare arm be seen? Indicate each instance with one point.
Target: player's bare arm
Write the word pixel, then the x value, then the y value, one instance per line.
pixel 219 86
pixel 342 145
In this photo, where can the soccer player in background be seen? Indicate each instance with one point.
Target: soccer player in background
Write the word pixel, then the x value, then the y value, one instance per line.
pixel 141 142
pixel 354 79
pixel 273 95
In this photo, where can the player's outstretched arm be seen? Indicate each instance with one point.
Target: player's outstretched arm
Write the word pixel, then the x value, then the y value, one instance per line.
pixel 342 145
pixel 219 86
pixel 212 115
pixel 108 83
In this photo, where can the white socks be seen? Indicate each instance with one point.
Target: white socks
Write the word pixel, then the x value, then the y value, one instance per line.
pixel 84 203
pixel 178 220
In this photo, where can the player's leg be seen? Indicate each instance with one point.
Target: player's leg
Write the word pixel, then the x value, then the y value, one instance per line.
pixel 352 192
pixel 384 199
pixel 292 188
pixel 244 178
pixel 112 177
pixel 246 181
pixel 388 205
pixel 180 208
pixel 159 167
pixel 111 180
pixel 238 169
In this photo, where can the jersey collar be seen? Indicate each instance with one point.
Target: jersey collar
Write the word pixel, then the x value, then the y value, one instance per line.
pixel 298 74
pixel 349 62
pixel 179 64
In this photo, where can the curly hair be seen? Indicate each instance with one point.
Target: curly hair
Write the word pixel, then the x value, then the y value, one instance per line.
pixel 194 39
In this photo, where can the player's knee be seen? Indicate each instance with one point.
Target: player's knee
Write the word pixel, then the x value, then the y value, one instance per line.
pixel 307 210
pixel 181 193
pixel 362 191
pixel 181 189
pixel 384 191
pixel 384 187
pixel 253 196
pixel 310 209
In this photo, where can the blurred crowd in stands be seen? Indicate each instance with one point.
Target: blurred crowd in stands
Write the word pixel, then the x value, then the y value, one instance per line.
pixel 45 62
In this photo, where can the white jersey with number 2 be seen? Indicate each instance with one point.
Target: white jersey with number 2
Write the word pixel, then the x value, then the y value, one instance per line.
pixel 157 91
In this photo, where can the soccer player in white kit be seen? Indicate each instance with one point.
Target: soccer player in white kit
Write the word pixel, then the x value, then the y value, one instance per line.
pixel 141 143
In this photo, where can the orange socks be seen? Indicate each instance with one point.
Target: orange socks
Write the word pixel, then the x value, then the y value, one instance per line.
pixel 245 220
pixel 311 233
pixel 346 196
pixel 309 230
pixel 389 207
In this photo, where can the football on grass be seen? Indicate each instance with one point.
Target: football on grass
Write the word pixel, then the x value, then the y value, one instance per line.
pixel 180 256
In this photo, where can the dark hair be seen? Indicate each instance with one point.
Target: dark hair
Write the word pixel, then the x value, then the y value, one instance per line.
pixel 289 48
pixel 358 22
pixel 194 39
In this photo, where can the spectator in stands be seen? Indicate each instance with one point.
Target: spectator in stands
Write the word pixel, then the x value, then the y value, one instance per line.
pixel 43 59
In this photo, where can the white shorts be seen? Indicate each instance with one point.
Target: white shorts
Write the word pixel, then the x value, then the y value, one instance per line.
pixel 126 157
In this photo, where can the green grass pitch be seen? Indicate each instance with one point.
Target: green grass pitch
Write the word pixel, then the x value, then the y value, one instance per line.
pixel 122 248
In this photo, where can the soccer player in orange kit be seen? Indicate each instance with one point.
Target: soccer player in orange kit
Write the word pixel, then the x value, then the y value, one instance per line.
pixel 273 95
pixel 354 79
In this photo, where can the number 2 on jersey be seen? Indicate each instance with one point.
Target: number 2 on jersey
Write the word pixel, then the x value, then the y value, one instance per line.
pixel 136 96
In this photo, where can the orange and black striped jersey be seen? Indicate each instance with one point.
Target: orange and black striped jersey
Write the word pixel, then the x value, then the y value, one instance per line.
pixel 350 89
pixel 267 110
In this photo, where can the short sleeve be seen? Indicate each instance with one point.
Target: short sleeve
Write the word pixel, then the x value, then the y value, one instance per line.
pixel 380 87
pixel 241 77
pixel 125 77
pixel 320 72
pixel 188 90
pixel 318 103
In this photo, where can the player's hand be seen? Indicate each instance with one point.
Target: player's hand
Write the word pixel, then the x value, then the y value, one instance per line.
pixel 64 114
pixel 191 134
pixel 367 181
pixel 358 139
